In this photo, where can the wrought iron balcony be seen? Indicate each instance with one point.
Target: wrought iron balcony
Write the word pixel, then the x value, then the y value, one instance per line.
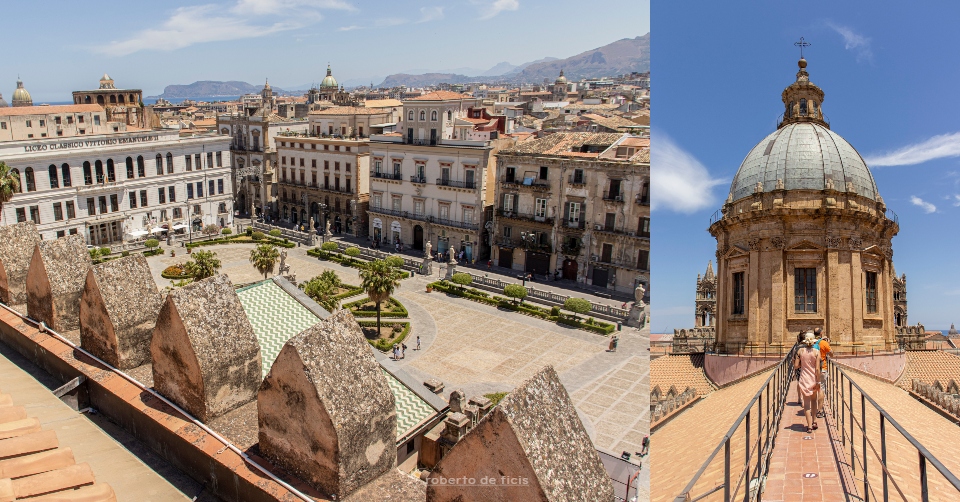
pixel 456 184
pixel 517 185
pixel 418 179
pixel 386 176
pixel 516 215
pixel 613 197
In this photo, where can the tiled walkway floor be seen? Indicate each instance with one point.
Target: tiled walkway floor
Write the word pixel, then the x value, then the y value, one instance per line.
pixel 804 466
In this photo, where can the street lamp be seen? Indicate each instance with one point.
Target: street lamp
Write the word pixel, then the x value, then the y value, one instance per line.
pixel 323 232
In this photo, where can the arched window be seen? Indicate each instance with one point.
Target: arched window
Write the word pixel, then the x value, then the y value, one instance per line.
pixel 410 115
pixel 133 99
pixel 86 100
pixel 129 168
pixel 169 163
pixel 16 173
pixel 141 170
pixel 31 181
pixel 815 108
pixel 803 106
pixel 98 170
pixel 449 115
pixel 423 115
pixel 87 176
pixel 99 100
pixel 433 115
pixel 113 98
pixel 159 164
pixel 52 173
pixel 122 99
pixel 65 173
pixel 111 173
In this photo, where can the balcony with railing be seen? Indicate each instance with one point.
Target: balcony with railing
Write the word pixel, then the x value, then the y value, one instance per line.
pixel 613 197
pixel 418 179
pixel 412 215
pixel 576 180
pixel 517 215
pixel 470 185
pixel 521 184
pixel 642 201
pixel 334 189
pixel 386 176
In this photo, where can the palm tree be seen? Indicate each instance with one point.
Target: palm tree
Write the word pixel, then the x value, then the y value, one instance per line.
pixel 9 185
pixel 322 290
pixel 380 280
pixel 204 264
pixel 264 257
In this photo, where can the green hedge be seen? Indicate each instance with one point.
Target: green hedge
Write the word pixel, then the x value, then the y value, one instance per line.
pixel 346 260
pixel 590 324
pixel 153 252
pixel 402 312
pixel 387 345
pixel 353 291
pixel 241 239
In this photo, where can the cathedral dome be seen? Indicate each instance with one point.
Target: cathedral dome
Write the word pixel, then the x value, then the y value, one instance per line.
pixel 803 153
pixel 3 104
pixel 329 81
pixel 20 96
pixel 561 79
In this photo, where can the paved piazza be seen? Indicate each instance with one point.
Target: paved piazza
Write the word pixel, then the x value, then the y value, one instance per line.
pixel 481 349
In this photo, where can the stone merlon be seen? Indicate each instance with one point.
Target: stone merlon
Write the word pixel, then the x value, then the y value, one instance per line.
pixel 17 243
pixel 55 281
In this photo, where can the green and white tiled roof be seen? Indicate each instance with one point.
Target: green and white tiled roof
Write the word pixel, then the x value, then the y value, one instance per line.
pixel 411 410
pixel 277 317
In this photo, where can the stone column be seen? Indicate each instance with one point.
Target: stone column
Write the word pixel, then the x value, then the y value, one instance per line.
pixel 753 295
pixel 778 293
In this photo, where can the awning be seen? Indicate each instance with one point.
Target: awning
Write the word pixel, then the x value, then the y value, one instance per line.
pixel 180 226
pixel 157 230
pixel 138 233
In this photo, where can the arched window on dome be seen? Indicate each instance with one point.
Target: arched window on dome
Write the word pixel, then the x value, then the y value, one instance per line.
pixel 65 174
pixel 790 109
pixel 423 115
pixel 54 179
pixel 816 109
pixel 31 181
pixel 803 107
pixel 433 115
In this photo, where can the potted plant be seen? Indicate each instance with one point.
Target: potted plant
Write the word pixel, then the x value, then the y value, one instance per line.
pixel 173 252
pixel 429 288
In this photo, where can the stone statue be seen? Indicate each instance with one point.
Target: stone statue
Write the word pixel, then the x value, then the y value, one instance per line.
pixel 283 262
pixel 428 250
pixel 328 234
pixel 638 294
pixel 311 227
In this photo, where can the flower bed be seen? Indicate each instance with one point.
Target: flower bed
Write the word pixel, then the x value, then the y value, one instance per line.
pixel 391 308
pixel 175 272
pixel 242 239
pixel 588 324
pixel 345 260
pixel 386 344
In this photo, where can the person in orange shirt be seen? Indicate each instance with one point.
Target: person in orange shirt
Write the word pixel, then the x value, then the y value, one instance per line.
pixel 823 344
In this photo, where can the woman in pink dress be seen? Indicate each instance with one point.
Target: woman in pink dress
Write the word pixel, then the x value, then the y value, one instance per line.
pixel 808 362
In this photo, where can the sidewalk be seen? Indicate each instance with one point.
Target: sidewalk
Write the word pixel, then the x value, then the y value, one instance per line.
pixel 562 286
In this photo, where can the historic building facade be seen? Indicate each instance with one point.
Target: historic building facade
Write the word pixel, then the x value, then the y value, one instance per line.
pixel 576 205
pixel 99 180
pixel 324 180
pixel 804 239
pixel 121 105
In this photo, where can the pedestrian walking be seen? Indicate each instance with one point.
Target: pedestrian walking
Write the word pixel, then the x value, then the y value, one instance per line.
pixel 489 264
pixel 418 342
pixel 808 362
pixel 823 346
pixel 403 350
pixel 645 446
pixel 796 373
pixel 395 355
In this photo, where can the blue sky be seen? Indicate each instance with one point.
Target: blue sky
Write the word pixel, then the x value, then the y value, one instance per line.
pixel 889 73
pixel 61 46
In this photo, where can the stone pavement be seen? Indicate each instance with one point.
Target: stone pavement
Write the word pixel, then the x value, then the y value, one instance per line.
pixel 134 472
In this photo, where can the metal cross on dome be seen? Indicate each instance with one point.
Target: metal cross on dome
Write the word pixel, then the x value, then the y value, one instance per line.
pixel 801 44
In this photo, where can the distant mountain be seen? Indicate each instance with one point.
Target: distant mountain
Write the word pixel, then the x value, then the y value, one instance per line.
pixel 623 56
pixel 211 89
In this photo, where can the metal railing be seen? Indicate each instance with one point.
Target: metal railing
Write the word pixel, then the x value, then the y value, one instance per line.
pixel 840 389
pixel 767 408
pixel 525 216
pixel 456 184
pixel 386 176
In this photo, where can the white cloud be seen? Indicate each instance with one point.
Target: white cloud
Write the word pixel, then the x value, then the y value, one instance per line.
pixel 937 147
pixel 956 200
pixel 926 206
pixel 491 9
pixel 350 28
pixel 214 23
pixel 853 41
pixel 428 14
pixel 679 182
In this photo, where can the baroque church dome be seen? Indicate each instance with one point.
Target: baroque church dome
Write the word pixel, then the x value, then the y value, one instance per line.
pixel 329 81
pixel 803 153
pixel 20 96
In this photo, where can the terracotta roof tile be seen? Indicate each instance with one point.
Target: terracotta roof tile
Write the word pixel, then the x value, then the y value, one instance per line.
pixel 680 371
pixel 928 366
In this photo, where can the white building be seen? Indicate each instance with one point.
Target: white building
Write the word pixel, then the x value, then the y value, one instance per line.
pixel 111 183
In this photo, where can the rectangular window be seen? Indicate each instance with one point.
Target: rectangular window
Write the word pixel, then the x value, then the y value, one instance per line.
pixel 189 191
pixel 540 208
pixel 469 178
pixel 805 289
pixel 103 203
pixel 445 211
pixel 91 206
pixel 220 184
pixel 418 207
pixel 738 288
pixel 209 160
pixel 508 202
pixel 35 214
pixel 199 189
pixel 396 169
pixel 871 292
pixel 96 120
pixel 22 215
pixel 114 203
pixel 346 167
pixel 177 213
pixel 219 159
pixel 643 228
pixel 71 211
pixel 161 196
pixel 396 203
pixel 336 166
pixel 283 161
pixel 573 214
pixel 643 259
pixel 133 200
pixel 511 175
pixel 188 162
pixel 507 232
pixel 73 231
pixel 210 185
pixel 301 161
pixel 57 210
pixel 578 176
pixel 543 172
pixel 172 194
pixel 313 162
pixel 377 201
pixel 196 160
pixel 143 198
pixel 377 166
pixel 468 215
pixel 610 221
pixel 606 253
pixel 326 164
pixel 61 233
